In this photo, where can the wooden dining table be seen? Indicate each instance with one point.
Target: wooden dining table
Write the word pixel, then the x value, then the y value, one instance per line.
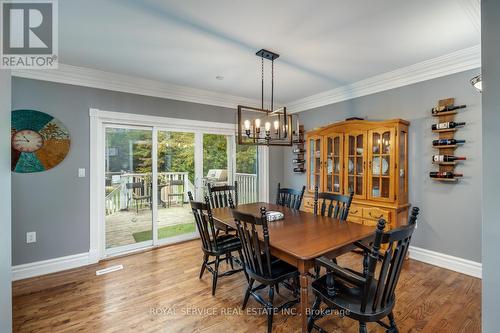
pixel 301 237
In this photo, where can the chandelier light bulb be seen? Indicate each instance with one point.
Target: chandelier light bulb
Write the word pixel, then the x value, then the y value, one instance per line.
pixel 247 124
pixel 268 126
pixel 257 123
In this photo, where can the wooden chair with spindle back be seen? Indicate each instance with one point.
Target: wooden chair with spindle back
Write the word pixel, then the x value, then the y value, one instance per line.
pixel 261 267
pixel 223 196
pixel 332 205
pixel 366 248
pixel 365 297
pixel 220 195
pixel 213 245
pixel 289 197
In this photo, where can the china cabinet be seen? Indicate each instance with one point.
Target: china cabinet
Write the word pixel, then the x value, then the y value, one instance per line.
pixel 369 158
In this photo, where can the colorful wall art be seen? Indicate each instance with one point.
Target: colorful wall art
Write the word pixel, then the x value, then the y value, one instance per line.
pixel 39 141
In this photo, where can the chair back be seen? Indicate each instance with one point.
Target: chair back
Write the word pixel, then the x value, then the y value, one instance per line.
pixel 379 290
pixel 205 223
pixel 176 182
pixel 256 253
pixel 332 205
pixel 412 218
pixel 138 188
pixel 289 197
pixel 221 196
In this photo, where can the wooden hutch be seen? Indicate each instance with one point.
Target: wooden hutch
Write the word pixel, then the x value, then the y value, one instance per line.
pixel 369 158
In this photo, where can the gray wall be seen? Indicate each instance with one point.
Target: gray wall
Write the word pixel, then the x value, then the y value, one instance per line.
pixel 5 218
pixel 55 203
pixel 450 213
pixel 490 10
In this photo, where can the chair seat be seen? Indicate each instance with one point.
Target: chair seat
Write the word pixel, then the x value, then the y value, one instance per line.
pixel 347 296
pixel 227 243
pixel 281 269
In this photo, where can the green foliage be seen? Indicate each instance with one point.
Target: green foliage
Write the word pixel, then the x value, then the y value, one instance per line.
pixel 246 159
pixel 214 152
pixel 175 152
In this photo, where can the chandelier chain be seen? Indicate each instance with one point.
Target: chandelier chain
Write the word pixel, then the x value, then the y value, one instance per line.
pixel 262 80
pixel 272 85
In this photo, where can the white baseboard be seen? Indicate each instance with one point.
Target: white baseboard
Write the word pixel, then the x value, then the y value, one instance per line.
pixel 43 267
pixel 442 260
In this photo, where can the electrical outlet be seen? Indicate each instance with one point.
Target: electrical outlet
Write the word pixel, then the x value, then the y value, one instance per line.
pixel 31 237
pixel 81 173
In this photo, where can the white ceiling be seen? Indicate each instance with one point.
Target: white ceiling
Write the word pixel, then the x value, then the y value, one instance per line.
pixel 323 44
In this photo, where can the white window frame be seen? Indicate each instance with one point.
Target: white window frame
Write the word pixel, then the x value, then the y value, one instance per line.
pixel 100 118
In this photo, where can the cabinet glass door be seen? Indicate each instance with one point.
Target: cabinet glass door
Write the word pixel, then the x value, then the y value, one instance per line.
pixel 381 164
pixel 334 167
pixel 355 163
pixel 314 147
pixel 403 165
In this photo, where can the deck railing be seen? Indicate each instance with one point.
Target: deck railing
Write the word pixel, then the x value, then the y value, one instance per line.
pixel 119 196
pixel 248 190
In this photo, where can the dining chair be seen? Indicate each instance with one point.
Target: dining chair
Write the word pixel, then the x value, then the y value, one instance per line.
pixel 261 266
pixel 289 197
pixel 223 196
pixel 365 296
pixel 213 245
pixel 178 185
pixel 332 205
pixel 366 248
pixel 138 194
pixel 220 195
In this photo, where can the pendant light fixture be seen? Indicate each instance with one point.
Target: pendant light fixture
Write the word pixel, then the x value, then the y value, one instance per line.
pixel 265 126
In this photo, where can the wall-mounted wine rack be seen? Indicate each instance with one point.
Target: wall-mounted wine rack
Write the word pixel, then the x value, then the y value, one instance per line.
pixel 446 134
pixel 299 150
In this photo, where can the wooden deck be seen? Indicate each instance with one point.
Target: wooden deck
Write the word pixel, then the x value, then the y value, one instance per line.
pixel 159 291
pixel 121 226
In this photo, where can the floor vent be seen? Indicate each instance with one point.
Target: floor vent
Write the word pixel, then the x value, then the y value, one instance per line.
pixel 109 270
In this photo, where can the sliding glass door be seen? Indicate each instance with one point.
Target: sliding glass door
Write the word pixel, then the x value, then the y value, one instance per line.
pixel 128 190
pixel 176 177
pixel 149 172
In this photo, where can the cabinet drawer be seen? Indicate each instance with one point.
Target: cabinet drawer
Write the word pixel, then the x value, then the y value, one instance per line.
pixel 355 219
pixel 373 223
pixel 355 211
pixel 308 204
pixel 376 213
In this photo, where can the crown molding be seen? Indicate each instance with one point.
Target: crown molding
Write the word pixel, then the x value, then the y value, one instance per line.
pixel 93 78
pixel 452 63
pixel 448 64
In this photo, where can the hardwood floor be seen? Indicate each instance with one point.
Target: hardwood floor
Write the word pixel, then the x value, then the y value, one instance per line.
pixel 159 291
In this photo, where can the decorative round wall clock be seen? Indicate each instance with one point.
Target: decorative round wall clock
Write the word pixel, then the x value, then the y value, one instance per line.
pixel 39 141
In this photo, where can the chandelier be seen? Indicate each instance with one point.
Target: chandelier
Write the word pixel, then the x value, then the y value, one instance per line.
pixel 261 126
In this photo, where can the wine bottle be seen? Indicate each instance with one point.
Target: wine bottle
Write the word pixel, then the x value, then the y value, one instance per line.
pixel 447 142
pixel 298 161
pixel 447 125
pixel 446 158
pixel 439 109
pixel 299 170
pixel 299 151
pixel 447 174
pixel 298 141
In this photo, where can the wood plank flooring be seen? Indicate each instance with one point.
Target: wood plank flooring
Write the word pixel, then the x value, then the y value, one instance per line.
pixel 159 291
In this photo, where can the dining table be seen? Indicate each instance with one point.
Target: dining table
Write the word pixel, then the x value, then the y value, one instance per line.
pixel 301 237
